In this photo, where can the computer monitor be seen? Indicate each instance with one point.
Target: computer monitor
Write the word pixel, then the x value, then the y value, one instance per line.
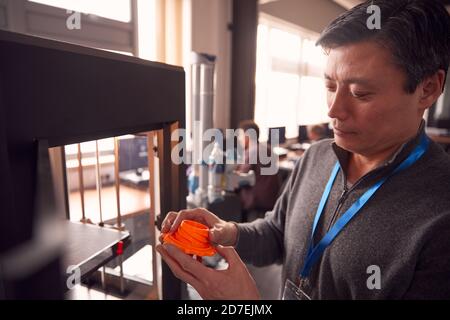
pixel 281 134
pixel 133 153
pixel 302 134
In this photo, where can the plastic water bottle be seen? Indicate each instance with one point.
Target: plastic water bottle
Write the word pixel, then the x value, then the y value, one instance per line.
pixel 216 175
pixel 192 186
pixel 230 167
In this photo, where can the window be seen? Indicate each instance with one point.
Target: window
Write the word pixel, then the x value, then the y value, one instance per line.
pixel 289 78
pixel 119 10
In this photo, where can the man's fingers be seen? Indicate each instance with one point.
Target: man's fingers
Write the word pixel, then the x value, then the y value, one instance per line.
pixel 215 235
pixel 197 214
pixel 174 219
pixel 177 270
pixel 186 262
pixel 168 221
pixel 230 255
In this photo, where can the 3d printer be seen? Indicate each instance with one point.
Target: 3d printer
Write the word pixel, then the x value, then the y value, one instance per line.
pixel 54 94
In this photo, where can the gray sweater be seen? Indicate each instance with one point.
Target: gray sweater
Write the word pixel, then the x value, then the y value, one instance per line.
pixel 404 229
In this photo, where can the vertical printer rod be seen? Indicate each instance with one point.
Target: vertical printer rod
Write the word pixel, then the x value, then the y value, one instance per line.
pixel 119 218
pixel 117 181
pixel 151 155
pixel 99 192
pixel 81 183
pixel 99 183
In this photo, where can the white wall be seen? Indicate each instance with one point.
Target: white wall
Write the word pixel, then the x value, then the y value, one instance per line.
pixel 310 14
pixel 210 34
pixel 50 22
pixel 210 19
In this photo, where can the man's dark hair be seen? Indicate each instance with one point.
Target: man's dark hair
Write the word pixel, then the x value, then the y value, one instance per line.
pixel 417 33
pixel 249 124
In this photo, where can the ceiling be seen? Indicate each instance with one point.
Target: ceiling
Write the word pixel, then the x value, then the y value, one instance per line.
pixel 347 4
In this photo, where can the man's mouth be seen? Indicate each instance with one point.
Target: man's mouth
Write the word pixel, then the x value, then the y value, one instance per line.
pixel 341 132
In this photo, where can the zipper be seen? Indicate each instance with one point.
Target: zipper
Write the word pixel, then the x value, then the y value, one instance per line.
pixel 344 195
pixel 339 205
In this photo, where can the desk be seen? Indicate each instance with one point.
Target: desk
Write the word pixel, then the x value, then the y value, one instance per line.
pixel 288 162
pixel 90 247
pixel 440 139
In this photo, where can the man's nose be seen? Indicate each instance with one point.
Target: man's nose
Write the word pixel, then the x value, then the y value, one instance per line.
pixel 338 105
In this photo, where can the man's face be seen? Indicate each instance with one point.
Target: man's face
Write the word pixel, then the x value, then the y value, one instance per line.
pixel 366 99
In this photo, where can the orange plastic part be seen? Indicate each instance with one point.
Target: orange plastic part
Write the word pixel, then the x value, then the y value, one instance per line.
pixel 192 238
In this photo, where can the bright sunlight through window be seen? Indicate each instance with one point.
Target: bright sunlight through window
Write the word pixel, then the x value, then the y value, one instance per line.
pixel 290 90
pixel 119 10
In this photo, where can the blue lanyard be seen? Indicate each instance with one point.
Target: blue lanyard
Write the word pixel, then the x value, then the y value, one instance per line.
pixel 315 253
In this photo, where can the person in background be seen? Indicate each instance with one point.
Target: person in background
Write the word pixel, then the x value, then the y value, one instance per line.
pixel 316 132
pixel 263 195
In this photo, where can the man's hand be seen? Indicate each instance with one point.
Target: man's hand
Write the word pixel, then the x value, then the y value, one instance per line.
pixel 220 232
pixel 232 283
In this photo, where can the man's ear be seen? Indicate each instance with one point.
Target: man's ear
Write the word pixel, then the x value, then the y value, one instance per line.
pixel 431 88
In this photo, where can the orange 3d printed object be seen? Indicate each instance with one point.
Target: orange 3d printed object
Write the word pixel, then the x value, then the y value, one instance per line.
pixel 192 238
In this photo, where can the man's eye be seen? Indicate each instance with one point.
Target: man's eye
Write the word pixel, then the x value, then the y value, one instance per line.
pixel 360 95
pixel 331 88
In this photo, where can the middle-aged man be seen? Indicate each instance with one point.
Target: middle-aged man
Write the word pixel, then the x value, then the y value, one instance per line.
pixel 366 215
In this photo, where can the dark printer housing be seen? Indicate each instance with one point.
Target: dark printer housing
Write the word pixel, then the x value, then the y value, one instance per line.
pixel 61 93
